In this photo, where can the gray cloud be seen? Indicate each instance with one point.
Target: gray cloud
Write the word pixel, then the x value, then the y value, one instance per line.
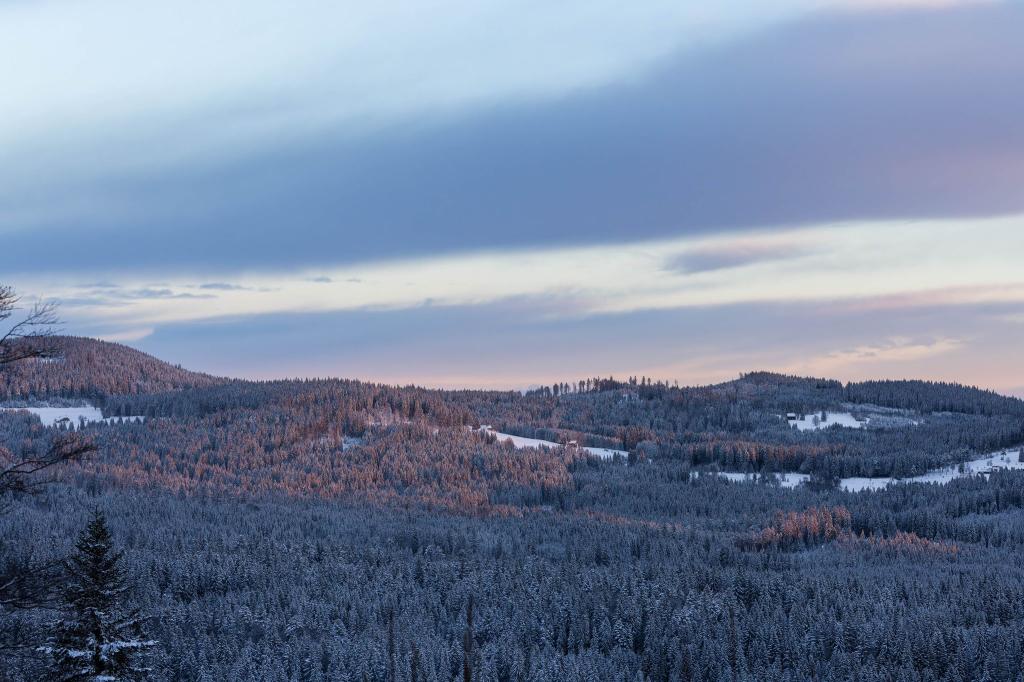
pixel 222 286
pixel 98 285
pixel 114 296
pixel 159 293
pixel 910 114
pixel 722 258
pixel 324 279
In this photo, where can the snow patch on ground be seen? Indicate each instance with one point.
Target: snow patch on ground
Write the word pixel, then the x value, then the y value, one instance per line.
pixel 814 421
pixel 520 442
pixel 858 483
pixel 51 416
pixel 786 480
pixel 1004 459
pixel 605 453
pixel 982 466
pixel 74 416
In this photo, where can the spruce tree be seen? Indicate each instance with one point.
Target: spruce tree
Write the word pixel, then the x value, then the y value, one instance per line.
pixel 97 638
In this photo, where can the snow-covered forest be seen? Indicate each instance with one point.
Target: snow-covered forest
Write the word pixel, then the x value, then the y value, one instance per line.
pixel 338 530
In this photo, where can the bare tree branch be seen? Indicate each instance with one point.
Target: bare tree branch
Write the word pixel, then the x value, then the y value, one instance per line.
pixel 27 338
pixel 27 582
pixel 18 475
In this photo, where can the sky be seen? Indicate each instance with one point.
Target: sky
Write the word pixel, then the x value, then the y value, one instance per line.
pixel 507 194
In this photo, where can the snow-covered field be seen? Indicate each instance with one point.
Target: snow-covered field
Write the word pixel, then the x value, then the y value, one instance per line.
pixel 813 421
pixel 605 453
pixel 51 416
pixel 1005 459
pixel 520 442
pixel 786 480
pixel 875 416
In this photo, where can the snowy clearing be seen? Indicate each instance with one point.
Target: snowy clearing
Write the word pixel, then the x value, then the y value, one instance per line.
pixel 520 442
pixel 605 453
pixel 786 480
pixel 813 421
pixel 1004 459
pixel 855 416
pixel 73 416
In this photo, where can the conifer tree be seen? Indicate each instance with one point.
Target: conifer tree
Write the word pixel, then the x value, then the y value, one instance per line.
pixel 467 643
pixel 97 638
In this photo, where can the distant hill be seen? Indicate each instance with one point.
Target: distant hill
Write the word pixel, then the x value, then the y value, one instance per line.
pixel 350 439
pixel 922 396
pixel 88 368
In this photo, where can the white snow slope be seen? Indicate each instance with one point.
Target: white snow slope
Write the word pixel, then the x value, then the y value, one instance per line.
pixel 50 416
pixel 813 421
pixel 1004 459
pixel 520 442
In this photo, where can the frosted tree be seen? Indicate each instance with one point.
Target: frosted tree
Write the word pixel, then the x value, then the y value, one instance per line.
pixel 467 643
pixel 97 638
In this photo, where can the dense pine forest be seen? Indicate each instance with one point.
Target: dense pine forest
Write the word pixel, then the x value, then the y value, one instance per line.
pixel 336 530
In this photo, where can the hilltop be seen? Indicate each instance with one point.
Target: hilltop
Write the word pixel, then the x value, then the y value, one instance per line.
pixel 89 368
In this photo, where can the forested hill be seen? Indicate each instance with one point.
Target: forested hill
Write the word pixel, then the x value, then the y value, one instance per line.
pixel 906 394
pixel 299 436
pixel 903 428
pixel 930 396
pixel 89 368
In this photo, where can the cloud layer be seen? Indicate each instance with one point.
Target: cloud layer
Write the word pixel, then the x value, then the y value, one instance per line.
pixel 860 116
pixel 851 301
pixel 869 265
